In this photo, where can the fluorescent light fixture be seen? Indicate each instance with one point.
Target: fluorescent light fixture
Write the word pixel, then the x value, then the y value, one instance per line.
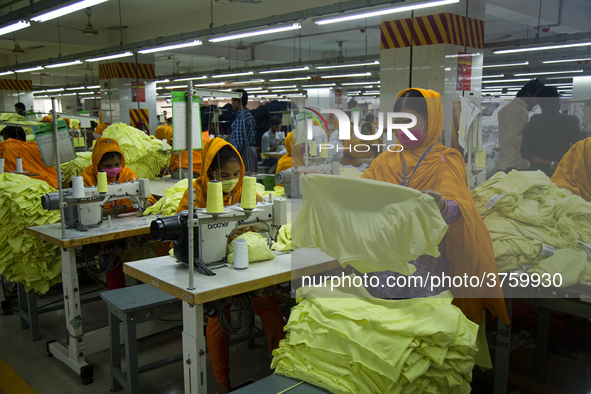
pixel 159 87
pixel 64 64
pixel 77 88
pixel 346 75
pixel 385 11
pixel 282 87
pixel 505 65
pixel 321 85
pixel 163 81
pixel 284 90
pixel 295 26
pixel 170 47
pixel 93 87
pixel 190 79
pixel 176 87
pixel 285 70
pixel 7 73
pixel 249 89
pixel 370 94
pixel 463 55
pixel 85 93
pixel 507 80
pixel 14 27
pixel 26 70
pixel 257 91
pixel 268 95
pixel 566 60
pixel 210 84
pixel 68 94
pixel 565 77
pixel 547 47
pixel 289 79
pixel 294 95
pixel 549 72
pixel 377 62
pixel 359 83
pixel 66 10
pixel 232 75
pixel 251 81
pixel 494 76
pixel 116 56
pixel 56 90
pixel 560 85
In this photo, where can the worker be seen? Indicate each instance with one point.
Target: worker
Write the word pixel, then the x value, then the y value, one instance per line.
pixel 268 141
pixel 15 145
pixel 197 155
pixel 440 172
pixel 165 116
pixel 284 162
pixel 20 109
pixel 512 119
pixel 574 170
pixel 333 124
pixel 242 135
pixel 107 156
pixel 221 161
pixel 548 136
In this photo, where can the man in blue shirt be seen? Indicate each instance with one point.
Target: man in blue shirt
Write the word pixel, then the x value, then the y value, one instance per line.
pixel 243 132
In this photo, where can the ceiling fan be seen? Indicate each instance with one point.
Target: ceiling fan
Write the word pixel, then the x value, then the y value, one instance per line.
pixel 237 1
pixel 17 48
pixel 89 30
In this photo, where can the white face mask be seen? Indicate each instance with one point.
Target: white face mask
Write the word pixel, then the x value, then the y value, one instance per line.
pixel 228 185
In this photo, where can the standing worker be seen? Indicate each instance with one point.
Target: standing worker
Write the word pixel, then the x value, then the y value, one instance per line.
pixel 242 135
pixel 512 119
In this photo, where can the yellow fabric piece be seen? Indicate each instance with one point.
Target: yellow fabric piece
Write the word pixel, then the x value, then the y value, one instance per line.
pixel 482 357
pixel 278 191
pixel 370 225
pixel 283 239
pixel 347 342
pixel 351 172
pixel 570 264
pixel 25 259
pixel 258 250
pixel 75 167
pixel 143 154
pixel 18 119
pixel 168 204
pixel 74 124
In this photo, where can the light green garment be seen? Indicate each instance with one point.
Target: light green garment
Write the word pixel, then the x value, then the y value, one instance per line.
pixel 169 203
pixel 348 342
pixel 351 172
pixel 258 250
pixel 370 225
pixel 283 239
pixel 75 167
pixel 143 154
pixel 25 259
pixel 566 262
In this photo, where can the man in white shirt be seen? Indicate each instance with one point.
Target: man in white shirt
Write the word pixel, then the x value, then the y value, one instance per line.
pixel 512 119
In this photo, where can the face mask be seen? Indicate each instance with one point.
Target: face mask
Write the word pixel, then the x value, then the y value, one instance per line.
pixel 112 172
pixel 228 185
pixel 407 142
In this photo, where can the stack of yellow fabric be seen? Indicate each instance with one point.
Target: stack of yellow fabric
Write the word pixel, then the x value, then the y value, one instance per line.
pixel 283 243
pixel 529 218
pixel 25 259
pixel 348 342
pixel 18 119
pixel 76 166
pixel 169 203
pixel 143 154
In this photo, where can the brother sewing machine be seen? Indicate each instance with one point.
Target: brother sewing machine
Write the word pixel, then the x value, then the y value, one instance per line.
pixel 213 231
pixel 84 212
pixel 290 178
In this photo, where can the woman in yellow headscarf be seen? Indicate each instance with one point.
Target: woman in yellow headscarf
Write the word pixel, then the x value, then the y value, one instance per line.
pixel 574 170
pixel 429 166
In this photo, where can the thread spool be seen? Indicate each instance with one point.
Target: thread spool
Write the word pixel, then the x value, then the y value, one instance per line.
pixel 102 185
pixel 240 254
pixel 19 164
pixel 1 165
pixel 277 135
pixel 164 144
pixel 249 193
pixel 78 187
pixel 215 197
pixel 313 151
pixel 324 150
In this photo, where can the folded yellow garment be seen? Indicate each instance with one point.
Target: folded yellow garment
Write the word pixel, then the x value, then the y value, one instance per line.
pixel 370 225
pixel 568 263
pixel 283 239
pixel 169 203
pixel 347 342
pixel 75 167
pixel 258 250
pixel 25 259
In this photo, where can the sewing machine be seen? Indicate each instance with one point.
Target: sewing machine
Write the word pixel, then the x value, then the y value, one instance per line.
pixel 213 232
pixel 82 213
pixel 290 178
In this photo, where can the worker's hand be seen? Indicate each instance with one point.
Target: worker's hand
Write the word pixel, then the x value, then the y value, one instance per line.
pixel 119 209
pixel 243 230
pixel 440 201
pixel 148 204
pixel 162 172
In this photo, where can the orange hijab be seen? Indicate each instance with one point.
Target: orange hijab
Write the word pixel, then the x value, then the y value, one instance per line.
pixel 574 170
pixel 297 156
pixel 197 157
pixel 211 148
pixel 31 157
pixel 284 162
pixel 469 245
pixel 100 128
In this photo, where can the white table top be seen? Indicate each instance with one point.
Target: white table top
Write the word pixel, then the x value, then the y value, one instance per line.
pixel 172 277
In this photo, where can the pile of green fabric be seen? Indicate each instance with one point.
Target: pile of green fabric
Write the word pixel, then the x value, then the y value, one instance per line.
pixel 348 342
pixel 23 258
pixel 169 203
pixel 74 124
pixel 143 154
pixel 283 243
pixel 530 219
pixel 258 250
pixel 76 166
pixel 20 120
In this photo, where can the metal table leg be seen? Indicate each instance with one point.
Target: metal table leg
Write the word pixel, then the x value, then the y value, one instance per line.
pixel 27 303
pixel 194 350
pixel 541 360
pixel 503 351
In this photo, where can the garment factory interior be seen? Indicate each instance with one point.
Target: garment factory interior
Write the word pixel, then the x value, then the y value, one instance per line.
pixel 387 196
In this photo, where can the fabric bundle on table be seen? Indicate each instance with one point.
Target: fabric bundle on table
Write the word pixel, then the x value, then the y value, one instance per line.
pixel 143 153
pixel 530 219
pixel 347 342
pixel 20 120
pixel 169 203
pixel 75 167
pixel 23 258
pixel 386 225
pixel 283 243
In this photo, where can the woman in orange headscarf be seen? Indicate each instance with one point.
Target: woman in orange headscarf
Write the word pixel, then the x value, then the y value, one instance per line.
pixel 355 149
pixel 223 162
pixel 197 159
pixel 427 165
pixel 285 161
pixel 574 170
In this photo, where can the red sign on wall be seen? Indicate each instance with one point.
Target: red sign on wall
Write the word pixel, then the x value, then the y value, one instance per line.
pixel 464 72
pixel 138 92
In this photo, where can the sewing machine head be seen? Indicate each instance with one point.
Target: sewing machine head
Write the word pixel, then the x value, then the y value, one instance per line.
pixel 290 178
pixel 84 212
pixel 212 233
